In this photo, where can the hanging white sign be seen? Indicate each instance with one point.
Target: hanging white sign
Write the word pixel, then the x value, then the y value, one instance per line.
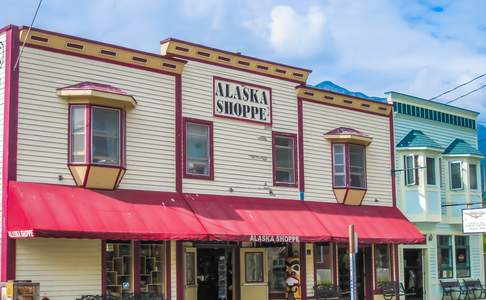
pixel 474 220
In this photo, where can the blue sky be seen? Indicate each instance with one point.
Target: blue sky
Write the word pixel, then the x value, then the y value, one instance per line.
pixel 416 47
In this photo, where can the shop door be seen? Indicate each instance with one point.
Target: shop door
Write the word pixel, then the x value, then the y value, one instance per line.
pixel 413 273
pixel 254 273
pixel 190 274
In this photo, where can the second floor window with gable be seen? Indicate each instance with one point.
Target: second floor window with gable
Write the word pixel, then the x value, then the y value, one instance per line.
pixel 410 169
pixel 455 173
pixel 349 165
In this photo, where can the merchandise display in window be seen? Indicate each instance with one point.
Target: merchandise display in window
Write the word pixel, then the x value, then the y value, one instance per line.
pixel 119 269
pixel 152 268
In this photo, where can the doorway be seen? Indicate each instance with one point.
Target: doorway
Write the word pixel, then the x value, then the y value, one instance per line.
pixel 413 271
pixel 214 274
pixel 363 272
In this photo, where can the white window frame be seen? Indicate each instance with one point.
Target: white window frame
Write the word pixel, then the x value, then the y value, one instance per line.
pixel 435 171
pixel 407 169
pixel 469 176
pixel 460 173
pixel 344 173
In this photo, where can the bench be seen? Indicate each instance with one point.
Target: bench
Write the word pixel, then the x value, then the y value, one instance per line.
pixel 391 289
pixel 449 287
pixel 327 291
pixel 473 286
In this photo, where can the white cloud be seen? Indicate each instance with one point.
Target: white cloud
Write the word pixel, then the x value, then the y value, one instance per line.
pixel 293 34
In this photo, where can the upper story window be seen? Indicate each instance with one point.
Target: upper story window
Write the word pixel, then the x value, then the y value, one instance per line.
pixel 410 163
pixel 284 159
pixel 473 176
pixel 430 166
pixel 198 149
pixel 96 135
pixel 349 165
pixel 455 174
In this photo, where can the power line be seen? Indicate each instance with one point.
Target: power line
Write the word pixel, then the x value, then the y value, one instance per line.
pixel 467 94
pixel 26 36
pixel 461 85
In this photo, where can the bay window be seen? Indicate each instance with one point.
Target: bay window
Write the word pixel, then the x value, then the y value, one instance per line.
pixel 284 159
pixel 410 169
pixel 473 177
pixel 455 174
pixel 349 166
pixel 105 135
pixel 198 149
pixel 382 263
pixel 444 256
pixel 77 134
pixel 430 164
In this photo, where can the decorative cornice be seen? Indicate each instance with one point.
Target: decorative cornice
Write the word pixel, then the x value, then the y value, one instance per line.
pixel 101 51
pixel 186 50
pixel 345 101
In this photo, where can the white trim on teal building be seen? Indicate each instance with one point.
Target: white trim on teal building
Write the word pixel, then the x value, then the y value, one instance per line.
pixel 437 168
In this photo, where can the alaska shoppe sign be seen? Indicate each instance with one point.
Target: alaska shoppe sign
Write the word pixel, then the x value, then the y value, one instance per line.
pixel 243 101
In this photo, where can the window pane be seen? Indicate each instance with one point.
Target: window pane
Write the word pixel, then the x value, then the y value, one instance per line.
pixel 276 260
pixel 456 175
pixel 105 135
pixel 190 268
pixel 78 134
pixel 382 263
pixel 322 263
pixel 409 166
pixel 197 149
pixel 473 178
pixel 357 170
pixel 444 256
pixel 339 167
pixel 431 171
pixel 152 265
pixel 284 159
pixel 462 257
pixel 119 270
pixel 254 267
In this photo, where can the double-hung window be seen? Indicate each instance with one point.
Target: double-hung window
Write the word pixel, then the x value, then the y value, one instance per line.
pixel 431 177
pixel 473 177
pixel 349 166
pixel 284 159
pixel 455 174
pixel 198 149
pixel 410 169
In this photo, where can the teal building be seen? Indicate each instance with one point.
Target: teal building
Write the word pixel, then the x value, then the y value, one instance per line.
pixel 437 174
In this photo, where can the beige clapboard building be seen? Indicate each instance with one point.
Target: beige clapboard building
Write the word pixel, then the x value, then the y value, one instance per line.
pixel 196 173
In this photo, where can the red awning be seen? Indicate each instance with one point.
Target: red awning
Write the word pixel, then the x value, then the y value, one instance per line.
pixel 231 218
pixel 45 210
pixel 374 224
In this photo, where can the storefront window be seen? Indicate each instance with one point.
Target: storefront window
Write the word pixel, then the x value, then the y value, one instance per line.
pixel 444 256
pixel 152 262
pixel 118 268
pixel 277 257
pixel 190 263
pixel 462 257
pixel 322 263
pixel 253 267
pixel 382 263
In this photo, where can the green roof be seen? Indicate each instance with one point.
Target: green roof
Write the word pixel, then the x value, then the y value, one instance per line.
pixel 461 147
pixel 417 139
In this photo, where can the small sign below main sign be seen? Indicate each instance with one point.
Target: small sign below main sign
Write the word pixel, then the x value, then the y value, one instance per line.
pixel 474 220
pixel 243 101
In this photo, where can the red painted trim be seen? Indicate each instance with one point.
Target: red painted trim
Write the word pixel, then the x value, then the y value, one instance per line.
pixel 300 122
pixel 303 279
pixel 88 134
pixel 232 53
pixel 103 267
pixel 6 28
pixel 189 58
pixel 246 84
pixel 211 149
pixel 179 270
pixel 345 107
pixel 9 147
pixel 178 133
pixel 392 160
pixel 136 267
pixel 334 263
pixel 168 275
pixel 98 43
pixel 106 60
pixel 293 136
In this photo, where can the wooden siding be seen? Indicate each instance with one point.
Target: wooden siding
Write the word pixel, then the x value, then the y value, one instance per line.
pixel 65 268
pixel 3 70
pixel 43 119
pixel 319 119
pixel 242 150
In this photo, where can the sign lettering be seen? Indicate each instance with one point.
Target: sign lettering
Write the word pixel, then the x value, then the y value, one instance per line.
pixel 474 220
pixel 21 234
pixel 274 238
pixel 244 101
